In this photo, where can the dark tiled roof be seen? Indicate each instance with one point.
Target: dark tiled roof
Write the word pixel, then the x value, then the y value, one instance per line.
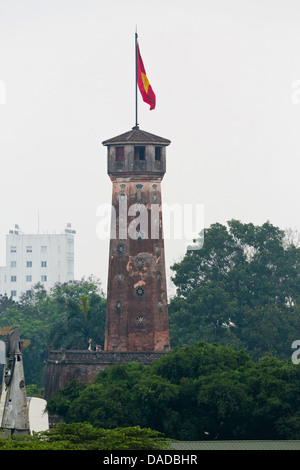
pixel 136 136
pixel 236 445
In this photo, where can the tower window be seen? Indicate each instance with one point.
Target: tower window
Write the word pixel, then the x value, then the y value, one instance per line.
pixel 139 291
pixel 140 320
pixel 119 277
pixel 121 249
pixel 140 263
pixel 158 154
pixel 120 154
pixel 157 249
pixel 139 153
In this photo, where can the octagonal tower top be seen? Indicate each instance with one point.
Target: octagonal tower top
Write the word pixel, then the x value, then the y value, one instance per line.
pixel 136 152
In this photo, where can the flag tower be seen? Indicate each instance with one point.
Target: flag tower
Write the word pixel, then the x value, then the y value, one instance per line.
pixel 137 327
pixel 137 310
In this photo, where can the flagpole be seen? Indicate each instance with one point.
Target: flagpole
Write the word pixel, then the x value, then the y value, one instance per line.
pixel 136 93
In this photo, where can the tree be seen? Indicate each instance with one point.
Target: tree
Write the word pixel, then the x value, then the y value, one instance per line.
pixel 208 313
pixel 199 392
pixel 242 276
pixel 6 302
pixel 82 315
pixel 66 316
pixel 83 436
pixel 269 331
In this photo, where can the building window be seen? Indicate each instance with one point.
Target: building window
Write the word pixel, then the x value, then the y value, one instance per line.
pixel 28 249
pixel 28 278
pixel 120 154
pixel 13 278
pixel 140 291
pixel 44 264
pixel 13 249
pixel 119 277
pixel 13 264
pixel 28 293
pixel 44 278
pixel 139 153
pixel 140 320
pixel 13 293
pixel 158 154
pixel 43 249
pixel 121 249
pixel 140 263
pixel 28 264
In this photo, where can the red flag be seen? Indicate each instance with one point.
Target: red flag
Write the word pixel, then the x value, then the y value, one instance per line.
pixel 143 82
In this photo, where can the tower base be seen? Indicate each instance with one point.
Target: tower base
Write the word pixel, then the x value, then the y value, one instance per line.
pixel 64 366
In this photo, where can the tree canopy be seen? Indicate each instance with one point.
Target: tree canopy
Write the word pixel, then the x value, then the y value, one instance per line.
pixel 242 287
pixel 239 295
pixel 199 392
pixel 83 436
pixel 66 316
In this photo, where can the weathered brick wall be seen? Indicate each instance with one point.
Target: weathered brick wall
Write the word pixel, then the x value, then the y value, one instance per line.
pixel 63 366
pixel 137 308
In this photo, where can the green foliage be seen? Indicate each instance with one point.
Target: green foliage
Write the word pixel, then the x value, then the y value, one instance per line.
pixel 67 316
pixel 83 436
pixel 203 391
pixel 241 288
pixel 33 390
pixel 239 295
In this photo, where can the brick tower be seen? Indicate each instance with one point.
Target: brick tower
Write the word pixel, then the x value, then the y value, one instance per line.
pixel 137 311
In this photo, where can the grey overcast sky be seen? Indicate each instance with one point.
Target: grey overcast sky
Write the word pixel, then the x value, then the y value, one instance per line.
pixel 226 74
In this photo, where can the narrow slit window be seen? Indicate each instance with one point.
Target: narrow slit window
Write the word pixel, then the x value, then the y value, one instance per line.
pixel 158 154
pixel 139 153
pixel 120 154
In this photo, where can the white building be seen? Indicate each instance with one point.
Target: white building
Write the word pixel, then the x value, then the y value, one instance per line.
pixel 36 258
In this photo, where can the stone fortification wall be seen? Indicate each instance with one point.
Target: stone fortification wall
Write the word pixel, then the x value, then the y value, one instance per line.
pixel 63 366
